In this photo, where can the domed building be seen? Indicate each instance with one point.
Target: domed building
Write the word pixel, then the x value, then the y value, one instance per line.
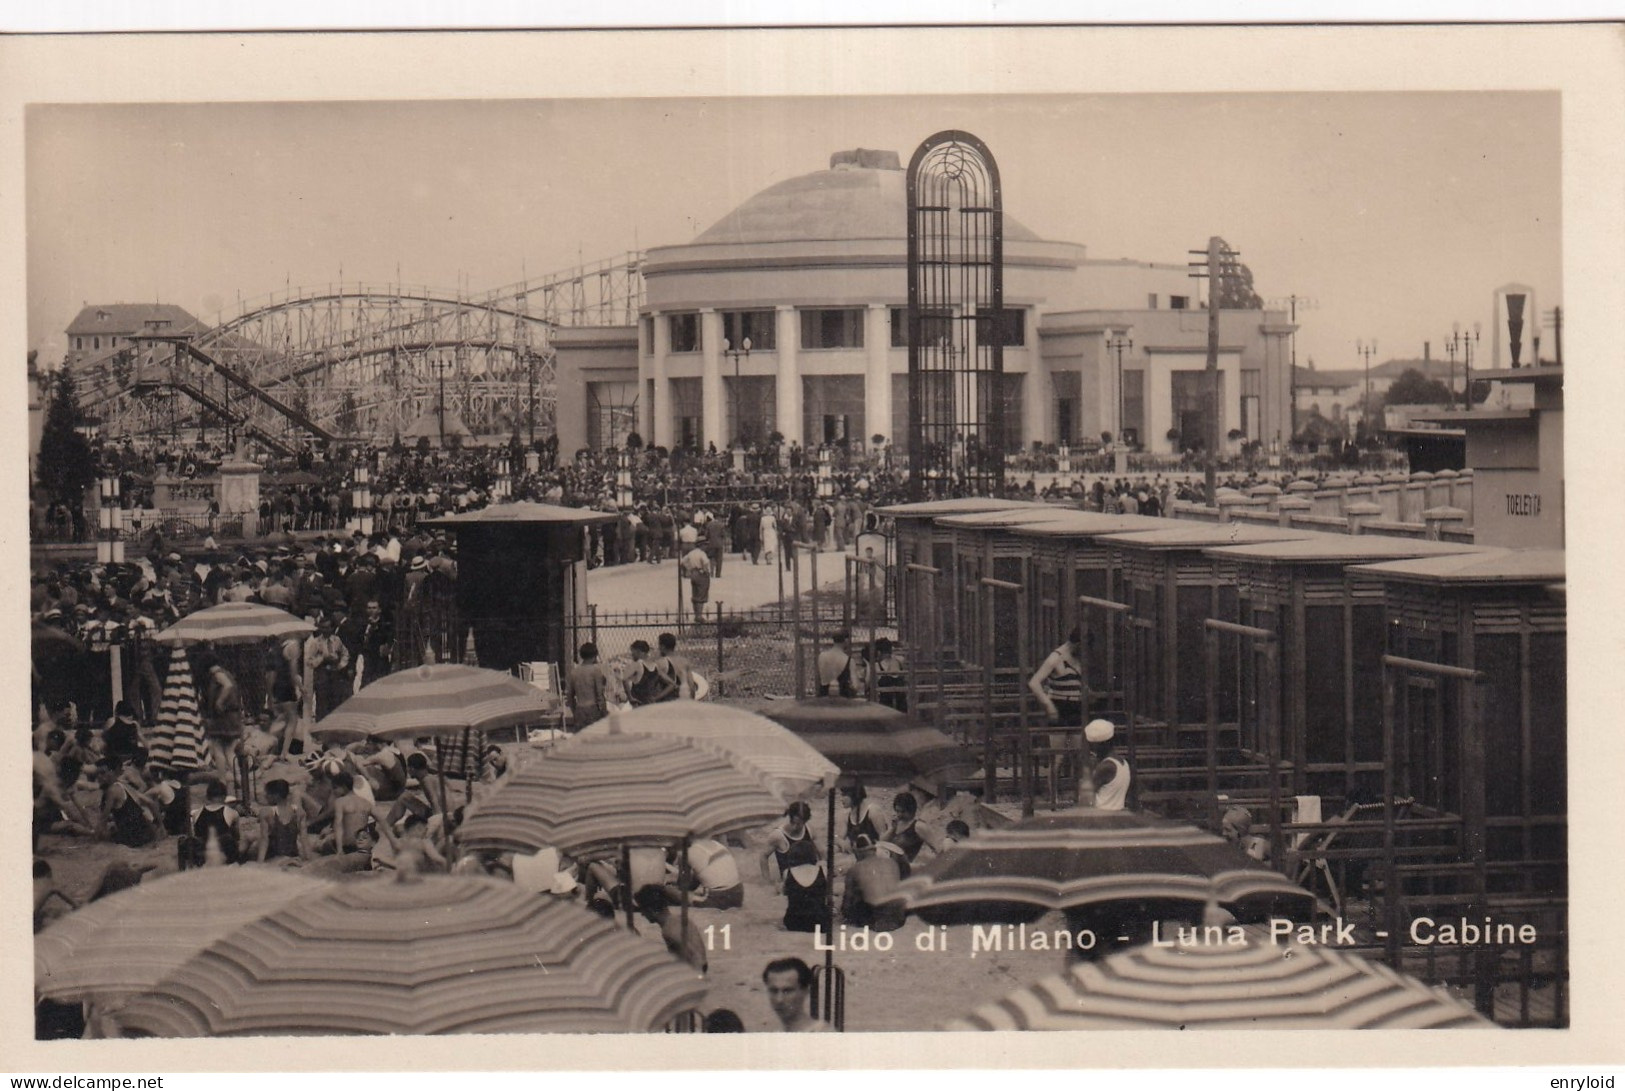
pixel 812 273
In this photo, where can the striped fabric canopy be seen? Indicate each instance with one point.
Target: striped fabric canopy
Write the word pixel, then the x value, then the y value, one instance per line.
pixel 870 740
pixel 786 763
pixel 435 699
pixel 424 955
pixel 177 740
pixel 128 942
pixel 1259 986
pixel 594 793
pixel 235 623
pixel 1087 857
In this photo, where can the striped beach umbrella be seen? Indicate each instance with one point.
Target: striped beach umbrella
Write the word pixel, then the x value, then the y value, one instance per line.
pixel 871 740
pixel 1086 857
pixel 1200 986
pixel 595 793
pixel 787 764
pixel 235 623
pixel 177 740
pixel 435 699
pixel 424 955
pixel 125 944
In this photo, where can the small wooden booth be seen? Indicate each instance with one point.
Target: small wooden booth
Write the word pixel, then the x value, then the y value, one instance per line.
pixel 1475 687
pixel 984 548
pixel 1172 587
pixel 1067 563
pixel 1328 619
pixel 926 616
pixel 521 580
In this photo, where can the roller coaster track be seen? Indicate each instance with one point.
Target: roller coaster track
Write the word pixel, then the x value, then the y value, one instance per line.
pixel 226 413
pixel 358 361
pixel 184 344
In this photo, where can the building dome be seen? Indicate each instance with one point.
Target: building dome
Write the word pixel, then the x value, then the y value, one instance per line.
pixel 863 195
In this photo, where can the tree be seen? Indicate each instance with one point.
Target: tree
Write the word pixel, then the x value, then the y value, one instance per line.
pixel 67 466
pixel 1414 388
pixel 1236 289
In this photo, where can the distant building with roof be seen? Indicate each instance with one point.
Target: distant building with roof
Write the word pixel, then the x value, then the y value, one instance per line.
pixel 97 331
pixel 813 271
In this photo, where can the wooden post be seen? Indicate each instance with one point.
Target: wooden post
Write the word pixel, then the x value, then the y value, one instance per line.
pixel 795 624
pixel 829 916
pixel 990 754
pixel 626 884
pixel 719 649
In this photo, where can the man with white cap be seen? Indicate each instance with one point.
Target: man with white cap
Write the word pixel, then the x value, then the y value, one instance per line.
pixel 1111 774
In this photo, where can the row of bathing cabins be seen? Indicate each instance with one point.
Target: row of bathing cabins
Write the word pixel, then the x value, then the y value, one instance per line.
pixel 1385 696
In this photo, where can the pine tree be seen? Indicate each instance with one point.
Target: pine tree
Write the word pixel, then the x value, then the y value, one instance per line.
pixel 67 466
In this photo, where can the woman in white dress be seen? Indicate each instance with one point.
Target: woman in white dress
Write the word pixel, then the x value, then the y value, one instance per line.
pixel 769 532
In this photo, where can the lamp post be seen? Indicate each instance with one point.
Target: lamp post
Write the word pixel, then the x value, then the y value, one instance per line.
pixel 826 484
pixel 1450 351
pixel 1464 340
pixel 440 372
pixel 738 402
pixel 1366 350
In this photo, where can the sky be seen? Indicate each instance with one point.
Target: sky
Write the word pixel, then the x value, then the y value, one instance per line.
pixel 1393 214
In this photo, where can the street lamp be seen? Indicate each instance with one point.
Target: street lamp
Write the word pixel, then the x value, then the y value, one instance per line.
pixel 1117 345
pixel 1367 351
pixel 734 354
pixel 826 484
pixel 1464 340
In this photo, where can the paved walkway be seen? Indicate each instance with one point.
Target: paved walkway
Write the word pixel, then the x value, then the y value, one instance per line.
pixel 742 586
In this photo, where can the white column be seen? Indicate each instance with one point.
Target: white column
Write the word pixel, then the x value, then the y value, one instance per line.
pixel 646 415
pixel 877 373
pixel 661 409
pixel 787 385
pixel 1037 402
pixel 714 411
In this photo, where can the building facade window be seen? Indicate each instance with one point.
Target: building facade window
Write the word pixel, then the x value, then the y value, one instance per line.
pixel 1068 388
pixel 1007 327
pixel 934 327
pixel 1151 301
pixel 684 331
pixel 1179 302
pixel 687 413
pixel 833 409
pixel 759 327
pixel 649 334
pixel 612 414
pixel 1133 408
pixel 840 328
pixel 752 408
pixel 1252 399
pixel 95 342
pixel 1189 406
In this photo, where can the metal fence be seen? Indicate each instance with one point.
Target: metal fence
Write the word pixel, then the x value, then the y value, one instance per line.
pixel 759 653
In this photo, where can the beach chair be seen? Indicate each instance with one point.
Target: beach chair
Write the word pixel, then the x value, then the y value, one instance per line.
pixel 1314 870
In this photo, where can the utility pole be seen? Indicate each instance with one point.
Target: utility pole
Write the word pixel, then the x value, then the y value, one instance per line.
pixel 1219 263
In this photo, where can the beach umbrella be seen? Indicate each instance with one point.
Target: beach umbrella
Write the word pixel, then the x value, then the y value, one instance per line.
pixel 235 623
pixel 177 741
pixel 788 765
pixel 435 699
pixel 871 740
pixel 1258 985
pixel 1085 858
pixel 126 943
pixel 47 643
pixel 596 793
pixel 420 955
